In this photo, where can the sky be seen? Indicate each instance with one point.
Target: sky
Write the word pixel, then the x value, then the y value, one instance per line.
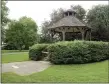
pixel 41 10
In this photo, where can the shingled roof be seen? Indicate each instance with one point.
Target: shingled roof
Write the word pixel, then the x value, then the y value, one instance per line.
pixel 68 21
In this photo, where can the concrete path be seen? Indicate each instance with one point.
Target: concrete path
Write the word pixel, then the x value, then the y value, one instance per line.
pixel 25 68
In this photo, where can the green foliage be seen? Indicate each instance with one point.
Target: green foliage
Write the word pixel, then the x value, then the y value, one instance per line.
pixel 4 18
pixel 41 38
pixel 56 15
pixel 78 52
pixel 22 33
pixel 35 52
pixel 80 11
pixel 97 18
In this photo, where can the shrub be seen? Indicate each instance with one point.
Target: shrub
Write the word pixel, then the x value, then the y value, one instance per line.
pixel 99 51
pixel 35 52
pixel 78 52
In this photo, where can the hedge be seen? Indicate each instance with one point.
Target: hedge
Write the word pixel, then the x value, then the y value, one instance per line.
pixel 78 52
pixel 35 52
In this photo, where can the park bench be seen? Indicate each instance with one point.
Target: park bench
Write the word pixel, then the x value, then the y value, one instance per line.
pixel 46 55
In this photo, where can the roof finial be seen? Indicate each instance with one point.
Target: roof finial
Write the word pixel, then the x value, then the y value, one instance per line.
pixel 69 12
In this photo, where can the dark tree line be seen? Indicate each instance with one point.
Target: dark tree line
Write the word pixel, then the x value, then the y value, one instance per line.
pixel 98 18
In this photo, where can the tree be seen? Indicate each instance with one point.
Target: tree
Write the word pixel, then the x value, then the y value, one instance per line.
pixel 21 33
pixel 45 24
pixel 56 15
pixel 98 19
pixel 44 37
pixel 80 11
pixel 4 18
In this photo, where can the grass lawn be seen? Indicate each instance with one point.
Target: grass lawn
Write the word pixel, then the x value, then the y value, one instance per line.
pixel 93 72
pixel 10 51
pixel 14 57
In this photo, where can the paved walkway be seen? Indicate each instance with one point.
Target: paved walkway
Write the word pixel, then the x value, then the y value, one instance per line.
pixel 25 68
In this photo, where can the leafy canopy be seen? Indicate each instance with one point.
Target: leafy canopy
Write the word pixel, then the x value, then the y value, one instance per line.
pixel 98 19
pixel 21 33
pixel 4 18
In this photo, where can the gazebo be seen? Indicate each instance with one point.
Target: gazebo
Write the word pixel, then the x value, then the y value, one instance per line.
pixel 70 26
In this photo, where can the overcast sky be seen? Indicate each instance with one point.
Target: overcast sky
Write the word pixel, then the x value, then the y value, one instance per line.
pixel 40 10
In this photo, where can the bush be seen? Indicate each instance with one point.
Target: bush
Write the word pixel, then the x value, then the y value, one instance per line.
pixel 35 52
pixel 78 52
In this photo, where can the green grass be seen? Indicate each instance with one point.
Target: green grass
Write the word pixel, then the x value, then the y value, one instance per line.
pixel 10 51
pixel 14 57
pixel 93 72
